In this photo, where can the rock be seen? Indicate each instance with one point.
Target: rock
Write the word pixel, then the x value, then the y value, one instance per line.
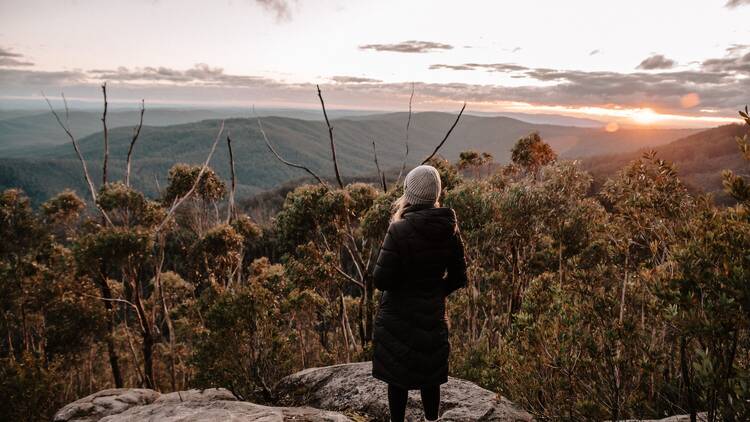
pixel 103 403
pixel 702 417
pixel 136 404
pixel 351 387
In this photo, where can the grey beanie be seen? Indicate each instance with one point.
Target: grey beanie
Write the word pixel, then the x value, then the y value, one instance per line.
pixel 422 186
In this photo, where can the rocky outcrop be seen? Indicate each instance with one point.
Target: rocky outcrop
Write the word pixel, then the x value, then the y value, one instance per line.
pixel 137 404
pixel 701 417
pixel 343 392
pixel 350 387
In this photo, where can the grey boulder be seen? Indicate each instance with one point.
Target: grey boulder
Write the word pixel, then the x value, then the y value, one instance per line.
pixel 137 404
pixel 351 387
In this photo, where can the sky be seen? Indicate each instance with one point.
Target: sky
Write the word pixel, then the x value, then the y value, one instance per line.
pixel 664 63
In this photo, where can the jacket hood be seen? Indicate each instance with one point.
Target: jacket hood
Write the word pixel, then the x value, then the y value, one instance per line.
pixel 431 222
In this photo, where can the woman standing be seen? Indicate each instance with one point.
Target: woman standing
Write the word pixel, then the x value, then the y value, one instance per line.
pixel 420 263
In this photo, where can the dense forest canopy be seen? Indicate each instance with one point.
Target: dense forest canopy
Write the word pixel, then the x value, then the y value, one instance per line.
pixel 629 302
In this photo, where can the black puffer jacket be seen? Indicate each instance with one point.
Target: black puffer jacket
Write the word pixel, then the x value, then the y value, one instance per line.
pixel 420 263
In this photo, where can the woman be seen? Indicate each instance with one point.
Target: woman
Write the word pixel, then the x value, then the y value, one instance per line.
pixel 420 263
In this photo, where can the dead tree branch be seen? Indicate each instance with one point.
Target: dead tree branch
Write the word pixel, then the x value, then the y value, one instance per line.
pixel 377 166
pixel 406 140
pixel 230 211
pixel 136 133
pixel 182 199
pixel 106 136
pixel 330 135
pixel 446 135
pixel 280 158
pixel 66 127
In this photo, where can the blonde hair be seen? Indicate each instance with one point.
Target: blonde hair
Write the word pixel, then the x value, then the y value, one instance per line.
pixel 400 205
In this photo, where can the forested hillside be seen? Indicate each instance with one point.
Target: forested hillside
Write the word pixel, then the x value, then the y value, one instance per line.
pixel 699 159
pixel 631 303
pixel 44 171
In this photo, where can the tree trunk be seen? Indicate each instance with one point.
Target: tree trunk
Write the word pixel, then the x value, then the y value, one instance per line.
pixel 685 369
pixel 369 309
pixel 114 361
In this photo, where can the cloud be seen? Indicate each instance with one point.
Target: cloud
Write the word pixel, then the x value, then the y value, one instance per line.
pixel 516 50
pixel 735 62
pixel 199 74
pixel 594 52
pixel 354 80
pixel 411 46
pixel 490 67
pixel 656 61
pixel 9 58
pixel 736 3
pixel 280 8
pixel 719 84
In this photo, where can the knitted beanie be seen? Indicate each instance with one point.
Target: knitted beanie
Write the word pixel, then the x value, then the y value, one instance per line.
pixel 422 186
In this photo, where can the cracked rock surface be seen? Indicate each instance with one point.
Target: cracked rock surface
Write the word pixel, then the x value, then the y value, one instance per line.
pixel 215 404
pixel 351 387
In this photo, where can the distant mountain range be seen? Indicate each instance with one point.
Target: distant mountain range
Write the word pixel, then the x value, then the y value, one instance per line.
pixel 22 130
pixel 699 159
pixel 43 169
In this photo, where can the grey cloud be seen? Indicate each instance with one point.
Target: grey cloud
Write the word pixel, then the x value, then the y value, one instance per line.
pixel 4 52
pixel 354 80
pixel 280 8
pixel 411 46
pixel 717 82
pixel 737 48
pixel 35 80
pixel 9 58
pixel 656 61
pixel 736 3
pixel 490 67
pixel 200 74
pixel 516 50
pixel 594 52
pixel 732 63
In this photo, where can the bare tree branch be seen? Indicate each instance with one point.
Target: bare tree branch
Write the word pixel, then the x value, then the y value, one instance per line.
pixel 136 133
pixel 406 140
pixel 288 163
pixel 330 135
pixel 182 199
pixel 66 127
pixel 230 211
pixel 377 166
pixel 446 135
pixel 106 136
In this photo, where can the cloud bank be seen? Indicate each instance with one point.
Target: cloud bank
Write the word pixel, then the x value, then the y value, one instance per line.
pixel 719 85
pixel 411 46
pixel 656 61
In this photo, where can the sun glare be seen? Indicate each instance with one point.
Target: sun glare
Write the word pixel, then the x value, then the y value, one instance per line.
pixel 646 116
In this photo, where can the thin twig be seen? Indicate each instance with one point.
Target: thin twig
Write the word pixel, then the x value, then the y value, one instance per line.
pixel 66 128
pixel 406 140
pixel 230 212
pixel 446 135
pixel 330 136
pixel 106 136
pixel 288 163
pixel 377 166
pixel 136 133
pixel 182 199
pixel 116 300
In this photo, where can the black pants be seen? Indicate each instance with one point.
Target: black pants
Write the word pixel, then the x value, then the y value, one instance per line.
pixel 397 397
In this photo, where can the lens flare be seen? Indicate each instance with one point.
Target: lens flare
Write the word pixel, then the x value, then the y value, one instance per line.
pixel 690 100
pixel 612 127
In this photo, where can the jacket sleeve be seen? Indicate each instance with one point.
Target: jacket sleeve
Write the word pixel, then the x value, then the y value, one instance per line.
pixel 389 262
pixel 456 266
